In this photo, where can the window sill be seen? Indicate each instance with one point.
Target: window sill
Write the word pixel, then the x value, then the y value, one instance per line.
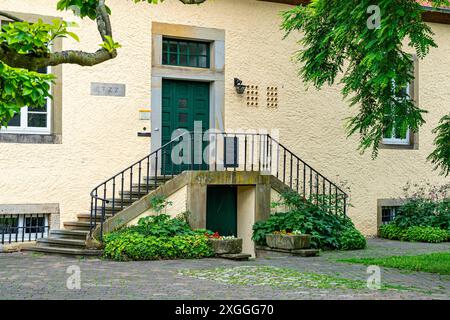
pixel 30 138
pixel 396 146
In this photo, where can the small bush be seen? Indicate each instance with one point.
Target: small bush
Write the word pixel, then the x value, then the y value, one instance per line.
pixel 352 239
pixel 414 234
pixel 392 232
pixel 124 246
pixel 326 229
pixel 426 234
pixel 425 213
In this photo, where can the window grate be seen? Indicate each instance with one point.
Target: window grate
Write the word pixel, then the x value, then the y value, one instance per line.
pixel 23 227
pixel 186 53
pixel 388 214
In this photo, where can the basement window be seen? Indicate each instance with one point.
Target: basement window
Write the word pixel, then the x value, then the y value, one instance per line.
pixel 23 227
pixel 186 53
pixel 388 214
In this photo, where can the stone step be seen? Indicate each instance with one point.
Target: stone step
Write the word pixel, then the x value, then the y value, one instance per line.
pixel 136 193
pixel 296 252
pixel 109 209
pixel 236 256
pixel 305 252
pixel 65 251
pixel 68 234
pixel 61 243
pixel 126 199
pixel 159 179
pixel 78 225
pixel 86 217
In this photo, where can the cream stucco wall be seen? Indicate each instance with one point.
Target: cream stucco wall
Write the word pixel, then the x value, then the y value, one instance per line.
pixel 275 197
pixel 176 205
pixel 99 133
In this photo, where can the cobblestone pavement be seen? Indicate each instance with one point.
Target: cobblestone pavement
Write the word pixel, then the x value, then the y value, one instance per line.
pixel 37 276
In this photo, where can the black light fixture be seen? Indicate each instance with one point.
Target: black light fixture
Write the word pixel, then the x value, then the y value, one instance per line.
pixel 240 88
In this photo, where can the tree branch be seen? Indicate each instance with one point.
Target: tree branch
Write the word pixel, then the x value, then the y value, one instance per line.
pixel 103 20
pixel 10 16
pixel 31 62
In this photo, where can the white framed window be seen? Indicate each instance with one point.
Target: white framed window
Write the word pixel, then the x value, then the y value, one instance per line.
pixel 32 120
pixel 394 137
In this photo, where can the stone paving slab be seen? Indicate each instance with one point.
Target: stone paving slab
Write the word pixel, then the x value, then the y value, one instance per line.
pixel 36 276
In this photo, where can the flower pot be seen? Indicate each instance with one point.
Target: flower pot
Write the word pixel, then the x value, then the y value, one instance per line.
pixel 288 242
pixel 223 246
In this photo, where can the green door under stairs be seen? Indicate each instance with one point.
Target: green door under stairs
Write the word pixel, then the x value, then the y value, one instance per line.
pixel 221 210
pixel 183 103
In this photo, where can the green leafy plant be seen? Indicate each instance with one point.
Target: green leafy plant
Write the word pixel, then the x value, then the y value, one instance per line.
pixel 425 205
pixel 440 157
pixel 159 203
pixel 424 212
pixel 109 44
pixel 135 246
pixel 352 239
pixel 325 228
pixel 162 226
pixel 426 234
pixel 157 237
pixel 392 232
pixel 414 234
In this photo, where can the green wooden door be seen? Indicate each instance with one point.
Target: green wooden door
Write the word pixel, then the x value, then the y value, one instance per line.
pixel 183 103
pixel 221 210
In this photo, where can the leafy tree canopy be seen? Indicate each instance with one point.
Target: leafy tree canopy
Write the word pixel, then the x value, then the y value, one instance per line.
pixel 340 43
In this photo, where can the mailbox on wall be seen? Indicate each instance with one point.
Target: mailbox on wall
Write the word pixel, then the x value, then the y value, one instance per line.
pixel 231 152
pixel 145 114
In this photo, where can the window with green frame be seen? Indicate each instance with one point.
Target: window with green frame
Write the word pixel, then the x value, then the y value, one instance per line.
pixel 186 53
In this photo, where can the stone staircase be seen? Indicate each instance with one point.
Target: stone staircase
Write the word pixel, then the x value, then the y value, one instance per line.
pixel 72 239
pixel 260 153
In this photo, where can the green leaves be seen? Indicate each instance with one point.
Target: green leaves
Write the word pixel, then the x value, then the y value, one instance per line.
pixel 35 38
pixel 337 38
pixel 109 44
pixel 352 239
pixel 424 212
pixel 82 8
pixel 157 237
pixel 19 88
pixel 440 157
pixel 326 229
pixel 414 234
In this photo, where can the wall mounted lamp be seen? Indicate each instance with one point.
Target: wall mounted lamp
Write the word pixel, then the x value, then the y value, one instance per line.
pixel 240 88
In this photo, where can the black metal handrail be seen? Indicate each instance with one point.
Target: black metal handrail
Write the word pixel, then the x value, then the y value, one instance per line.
pixel 213 151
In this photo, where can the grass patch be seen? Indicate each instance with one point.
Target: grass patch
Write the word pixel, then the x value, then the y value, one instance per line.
pixel 280 278
pixel 434 262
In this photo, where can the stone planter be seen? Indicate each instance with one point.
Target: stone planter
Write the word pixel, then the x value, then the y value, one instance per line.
pixel 288 242
pixel 220 246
